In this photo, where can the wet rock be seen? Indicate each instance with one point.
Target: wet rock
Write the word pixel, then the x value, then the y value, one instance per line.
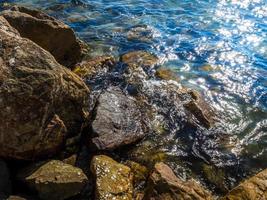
pixel 166 74
pixel 71 160
pixel 49 33
pixel 163 184
pixel 141 33
pixel 200 109
pixel 118 120
pixel 113 180
pixel 54 180
pixel 253 188
pixel 40 99
pixel 139 59
pixel 140 172
pixel 5 183
pixel 95 66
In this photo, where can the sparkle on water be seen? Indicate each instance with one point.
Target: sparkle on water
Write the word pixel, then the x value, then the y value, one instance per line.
pixel 216 47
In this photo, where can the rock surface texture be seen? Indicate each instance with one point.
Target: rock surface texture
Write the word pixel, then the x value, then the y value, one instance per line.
pixel 40 99
pixel 164 185
pixel 49 33
pixel 254 188
pixel 113 180
pixel 54 180
pixel 118 120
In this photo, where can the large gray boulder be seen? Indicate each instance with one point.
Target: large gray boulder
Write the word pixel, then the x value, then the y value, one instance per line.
pixel 40 100
pixel 118 120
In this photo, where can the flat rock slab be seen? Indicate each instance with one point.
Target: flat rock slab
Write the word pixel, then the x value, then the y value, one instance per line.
pixel 118 120
pixel 113 180
pixel 54 180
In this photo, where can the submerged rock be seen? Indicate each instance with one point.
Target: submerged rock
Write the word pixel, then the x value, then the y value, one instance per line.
pixel 49 33
pixel 113 180
pixel 166 74
pixel 163 184
pixel 95 66
pixel 118 120
pixel 142 33
pixel 54 180
pixel 40 99
pixel 5 182
pixel 139 59
pixel 254 188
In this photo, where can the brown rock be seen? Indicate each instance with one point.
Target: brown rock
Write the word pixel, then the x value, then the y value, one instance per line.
pixel 139 59
pixel 49 33
pixel 166 74
pixel 113 180
pixel 93 67
pixel 164 185
pixel 54 180
pixel 255 188
pixel 40 99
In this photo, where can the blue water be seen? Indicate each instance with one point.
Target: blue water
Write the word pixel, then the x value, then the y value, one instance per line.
pixel 217 47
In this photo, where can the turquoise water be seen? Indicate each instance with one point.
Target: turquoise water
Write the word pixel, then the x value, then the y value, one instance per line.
pixel 216 47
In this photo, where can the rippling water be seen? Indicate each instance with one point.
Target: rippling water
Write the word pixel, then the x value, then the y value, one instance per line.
pixel 216 47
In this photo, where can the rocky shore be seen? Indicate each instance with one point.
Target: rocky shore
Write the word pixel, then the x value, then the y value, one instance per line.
pixel 76 128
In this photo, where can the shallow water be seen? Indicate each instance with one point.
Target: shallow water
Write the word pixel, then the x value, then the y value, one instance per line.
pixel 216 47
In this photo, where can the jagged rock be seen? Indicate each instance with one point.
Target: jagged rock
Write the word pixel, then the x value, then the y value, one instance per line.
pixel 40 99
pixel 118 120
pixel 163 184
pixel 139 59
pixel 113 180
pixel 49 33
pixel 5 183
pixel 254 188
pixel 54 180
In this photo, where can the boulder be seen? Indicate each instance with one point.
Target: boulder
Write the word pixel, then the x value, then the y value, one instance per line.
pixel 54 180
pixel 41 100
pixel 141 33
pixel 49 33
pixel 118 120
pixel 5 183
pixel 113 180
pixel 163 184
pixel 254 188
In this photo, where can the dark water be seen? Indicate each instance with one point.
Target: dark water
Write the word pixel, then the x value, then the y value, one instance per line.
pixel 216 47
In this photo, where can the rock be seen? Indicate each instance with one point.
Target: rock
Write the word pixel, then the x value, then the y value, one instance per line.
pixel 95 66
pixel 142 33
pixel 166 74
pixel 118 120
pixel 113 180
pixel 49 33
pixel 139 58
pixel 254 188
pixel 71 160
pixel 5 183
pixel 200 109
pixel 140 172
pixel 16 198
pixel 163 184
pixel 54 180
pixel 40 99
